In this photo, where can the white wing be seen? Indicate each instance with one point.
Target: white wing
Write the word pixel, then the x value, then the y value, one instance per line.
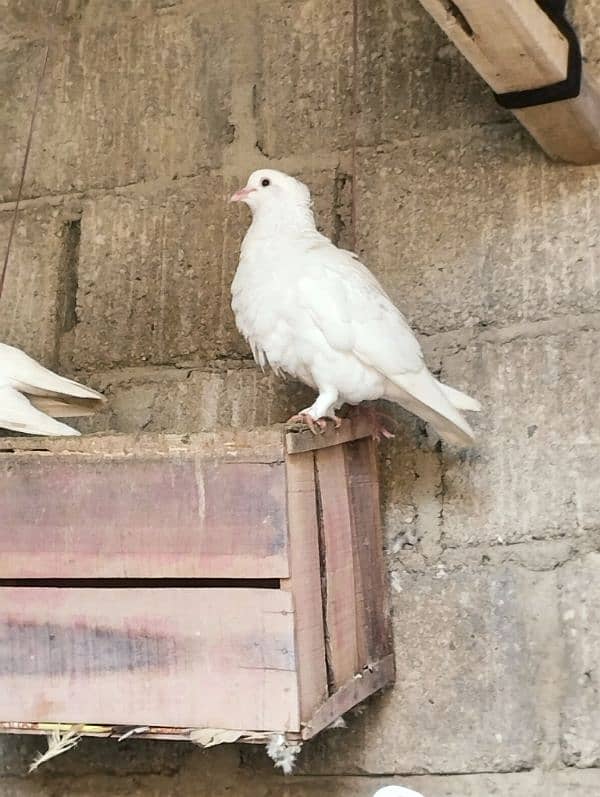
pixel 46 392
pixel 354 312
pixel 356 316
pixel 27 375
pixel 19 415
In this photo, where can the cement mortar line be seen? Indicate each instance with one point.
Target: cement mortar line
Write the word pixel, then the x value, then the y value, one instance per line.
pixel 492 333
pixel 242 153
pixel 327 161
pixel 449 339
pixel 501 554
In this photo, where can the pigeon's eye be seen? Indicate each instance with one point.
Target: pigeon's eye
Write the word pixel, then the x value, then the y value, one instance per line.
pixel 265 182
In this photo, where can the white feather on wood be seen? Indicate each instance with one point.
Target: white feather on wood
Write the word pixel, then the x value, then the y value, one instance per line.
pixel 58 743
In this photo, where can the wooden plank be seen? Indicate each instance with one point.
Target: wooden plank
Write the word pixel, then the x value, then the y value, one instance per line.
pixel 373 613
pixel 515 46
pixel 380 675
pixel 220 658
pixel 305 582
pixel 72 516
pixel 342 642
pixel 570 131
pixel 240 445
pixel 117 732
pixel 300 438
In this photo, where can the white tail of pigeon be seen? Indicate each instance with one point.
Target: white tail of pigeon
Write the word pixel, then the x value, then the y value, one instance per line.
pixel 460 400
pixel 435 403
pixel 30 394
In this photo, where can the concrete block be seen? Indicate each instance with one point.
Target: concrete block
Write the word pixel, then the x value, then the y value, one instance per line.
pixel 484 230
pixel 580 612
pixel 303 98
pixel 532 474
pixel 152 283
pixel 93 756
pixel 128 97
pixel 22 19
pixel 412 79
pixel 518 784
pixel 155 270
pixel 180 400
pixel 29 307
pixel 466 657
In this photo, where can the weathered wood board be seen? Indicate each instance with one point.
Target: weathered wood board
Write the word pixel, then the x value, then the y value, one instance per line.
pixel 305 582
pixel 220 658
pixel 129 575
pixel 515 46
pixel 70 516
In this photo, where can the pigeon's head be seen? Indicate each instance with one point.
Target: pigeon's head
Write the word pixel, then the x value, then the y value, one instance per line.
pixel 396 791
pixel 273 191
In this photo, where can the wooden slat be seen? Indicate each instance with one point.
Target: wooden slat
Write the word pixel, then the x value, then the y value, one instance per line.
pixel 373 615
pixel 300 438
pixel 351 694
pixel 570 131
pixel 305 582
pixel 217 658
pixel 513 44
pixel 515 47
pixel 240 445
pixel 77 516
pixel 340 598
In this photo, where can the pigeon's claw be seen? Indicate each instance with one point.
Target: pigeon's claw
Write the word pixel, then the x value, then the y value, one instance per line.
pixel 316 425
pixel 377 420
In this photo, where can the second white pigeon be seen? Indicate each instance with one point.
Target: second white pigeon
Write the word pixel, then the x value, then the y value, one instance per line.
pixel 315 312
pixel 30 394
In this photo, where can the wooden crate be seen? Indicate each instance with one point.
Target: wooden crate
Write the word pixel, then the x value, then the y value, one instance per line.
pixel 232 580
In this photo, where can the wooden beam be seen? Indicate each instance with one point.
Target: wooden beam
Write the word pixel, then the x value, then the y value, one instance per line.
pixel 515 46
pixel 305 582
pixel 299 438
pixel 192 658
pixel 353 692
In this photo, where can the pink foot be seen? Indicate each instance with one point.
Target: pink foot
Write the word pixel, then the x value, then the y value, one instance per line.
pixel 376 418
pixel 316 426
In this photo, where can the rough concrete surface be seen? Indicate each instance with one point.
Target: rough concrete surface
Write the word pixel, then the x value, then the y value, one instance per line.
pixel 152 112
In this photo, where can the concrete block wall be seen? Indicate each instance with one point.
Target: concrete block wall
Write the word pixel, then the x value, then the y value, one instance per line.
pixel 152 112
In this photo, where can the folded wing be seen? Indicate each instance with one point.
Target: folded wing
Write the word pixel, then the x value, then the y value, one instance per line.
pixel 28 391
pixel 355 315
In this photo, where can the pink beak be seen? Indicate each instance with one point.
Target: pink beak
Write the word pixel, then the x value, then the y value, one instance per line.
pixel 240 195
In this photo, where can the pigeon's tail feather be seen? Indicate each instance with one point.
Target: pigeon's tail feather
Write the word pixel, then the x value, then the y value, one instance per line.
pixel 30 377
pixel 47 427
pixel 422 395
pixel 460 400
pixel 64 409
pixel 19 415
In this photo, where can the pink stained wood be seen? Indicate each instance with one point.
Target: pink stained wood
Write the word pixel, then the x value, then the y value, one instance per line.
pixel 305 582
pixel 336 549
pixel 84 516
pixel 302 439
pixel 220 658
pixel 351 694
pixel 373 615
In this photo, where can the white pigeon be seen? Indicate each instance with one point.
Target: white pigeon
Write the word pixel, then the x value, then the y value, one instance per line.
pixel 396 791
pixel 314 311
pixel 28 391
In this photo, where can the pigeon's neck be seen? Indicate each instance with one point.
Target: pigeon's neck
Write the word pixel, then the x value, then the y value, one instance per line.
pixel 290 220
